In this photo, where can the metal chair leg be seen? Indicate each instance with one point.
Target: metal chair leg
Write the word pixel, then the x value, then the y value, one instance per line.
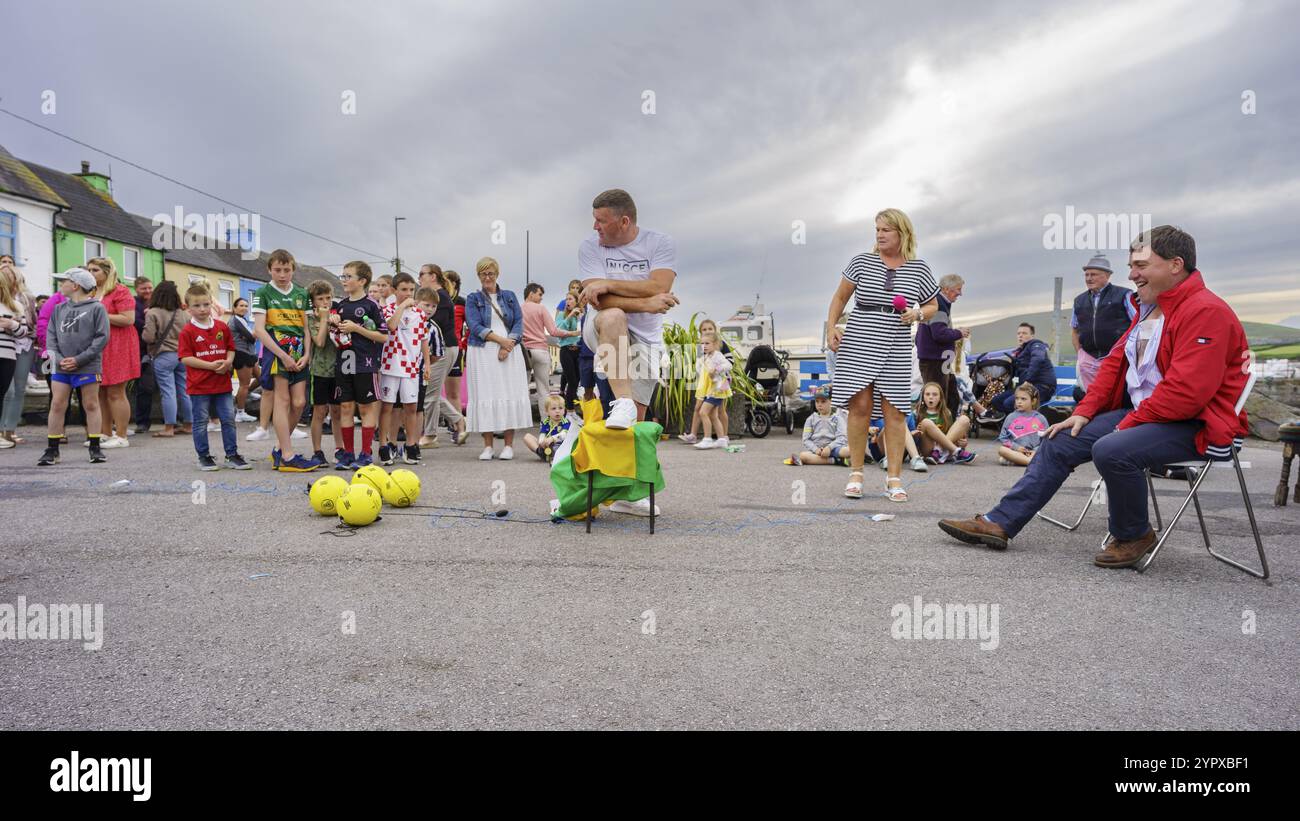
pixel 1096 487
pixel 1200 517
pixel 1164 535
pixel 1155 505
pixel 1254 529
pixel 652 508
pixel 591 483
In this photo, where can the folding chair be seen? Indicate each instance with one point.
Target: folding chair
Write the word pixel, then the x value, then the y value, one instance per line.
pixel 1097 490
pixel 1196 473
pixel 1092 497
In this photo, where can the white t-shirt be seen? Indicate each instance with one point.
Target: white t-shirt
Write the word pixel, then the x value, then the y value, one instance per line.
pixel 650 251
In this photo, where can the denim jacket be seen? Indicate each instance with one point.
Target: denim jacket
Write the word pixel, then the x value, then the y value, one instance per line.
pixel 478 315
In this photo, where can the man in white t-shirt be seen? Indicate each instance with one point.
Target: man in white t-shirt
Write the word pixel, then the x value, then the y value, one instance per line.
pixel 627 278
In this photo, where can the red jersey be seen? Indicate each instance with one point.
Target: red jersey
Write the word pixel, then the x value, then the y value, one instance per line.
pixel 210 345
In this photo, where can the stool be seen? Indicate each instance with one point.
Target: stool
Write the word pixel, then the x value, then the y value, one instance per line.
pixel 1289 434
pixel 591 483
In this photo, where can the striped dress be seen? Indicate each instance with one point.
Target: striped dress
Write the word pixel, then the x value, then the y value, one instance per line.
pixel 877 348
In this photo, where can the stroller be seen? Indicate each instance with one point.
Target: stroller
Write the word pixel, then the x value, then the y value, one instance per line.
pixel 991 374
pixel 767 369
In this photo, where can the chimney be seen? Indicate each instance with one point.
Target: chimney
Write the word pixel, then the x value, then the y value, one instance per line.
pixel 94 179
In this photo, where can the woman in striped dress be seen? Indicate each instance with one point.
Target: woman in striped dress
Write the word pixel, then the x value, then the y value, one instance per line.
pixel 890 290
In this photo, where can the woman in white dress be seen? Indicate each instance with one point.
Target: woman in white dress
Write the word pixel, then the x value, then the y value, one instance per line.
pixel 495 371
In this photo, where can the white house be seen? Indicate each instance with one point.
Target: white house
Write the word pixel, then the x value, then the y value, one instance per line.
pixel 27 210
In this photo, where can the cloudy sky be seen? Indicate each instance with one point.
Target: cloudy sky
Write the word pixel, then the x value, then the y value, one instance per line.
pixel 980 120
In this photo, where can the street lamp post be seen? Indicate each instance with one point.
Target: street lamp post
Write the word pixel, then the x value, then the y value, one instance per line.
pixel 397 249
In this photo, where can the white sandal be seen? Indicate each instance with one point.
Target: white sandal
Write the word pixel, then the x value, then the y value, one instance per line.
pixel 853 489
pixel 895 494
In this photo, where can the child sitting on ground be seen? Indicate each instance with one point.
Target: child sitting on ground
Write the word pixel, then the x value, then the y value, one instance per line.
pixel 825 434
pixel 715 386
pixel 1022 430
pixel 554 430
pixel 876 444
pixel 75 340
pixel 941 435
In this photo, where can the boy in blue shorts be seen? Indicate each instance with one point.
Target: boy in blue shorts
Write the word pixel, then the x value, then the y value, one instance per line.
pixel 76 338
pixel 280 315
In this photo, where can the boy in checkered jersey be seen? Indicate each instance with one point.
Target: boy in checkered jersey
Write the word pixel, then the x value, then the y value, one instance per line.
pixel 405 353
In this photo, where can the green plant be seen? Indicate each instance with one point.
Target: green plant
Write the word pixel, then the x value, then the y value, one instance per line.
pixel 675 400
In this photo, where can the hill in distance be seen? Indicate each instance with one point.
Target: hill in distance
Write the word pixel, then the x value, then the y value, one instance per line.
pixel 1001 333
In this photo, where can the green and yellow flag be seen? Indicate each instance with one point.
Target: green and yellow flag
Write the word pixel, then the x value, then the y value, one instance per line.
pixel 623 463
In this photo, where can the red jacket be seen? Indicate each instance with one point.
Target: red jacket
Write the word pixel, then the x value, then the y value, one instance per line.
pixel 1204 361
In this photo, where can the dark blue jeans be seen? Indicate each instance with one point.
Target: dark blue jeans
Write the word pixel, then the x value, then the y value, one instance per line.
pixel 1122 458
pixel 224 404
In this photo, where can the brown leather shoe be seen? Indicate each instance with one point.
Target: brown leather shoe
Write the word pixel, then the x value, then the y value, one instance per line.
pixel 1125 554
pixel 976 531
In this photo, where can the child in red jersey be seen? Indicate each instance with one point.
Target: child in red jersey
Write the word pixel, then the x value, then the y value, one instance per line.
pixel 206 348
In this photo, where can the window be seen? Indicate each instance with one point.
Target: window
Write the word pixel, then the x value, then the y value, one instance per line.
pixel 94 248
pixel 226 294
pixel 9 234
pixel 130 264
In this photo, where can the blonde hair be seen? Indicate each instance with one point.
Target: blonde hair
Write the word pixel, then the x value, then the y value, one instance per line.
pixel 554 399
pixel 8 295
pixel 906 233
pixel 487 264
pixel 944 413
pixel 110 275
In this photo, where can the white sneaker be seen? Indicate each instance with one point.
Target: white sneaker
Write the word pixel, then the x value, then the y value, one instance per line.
pixel 705 444
pixel 507 452
pixel 639 508
pixel 214 427
pixel 919 465
pixel 244 417
pixel 258 435
pixel 688 438
pixel 622 415
pixel 114 442
pixel 6 443
pixel 297 434
pixel 722 442
pixel 486 455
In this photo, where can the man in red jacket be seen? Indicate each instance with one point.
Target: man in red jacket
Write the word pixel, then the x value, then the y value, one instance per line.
pixel 1167 393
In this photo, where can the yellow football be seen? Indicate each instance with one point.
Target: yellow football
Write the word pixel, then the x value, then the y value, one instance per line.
pixel 403 488
pixel 360 505
pixel 325 493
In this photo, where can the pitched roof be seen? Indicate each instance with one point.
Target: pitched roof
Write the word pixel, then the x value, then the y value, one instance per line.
pixel 206 257
pixel 90 211
pixel 223 257
pixel 17 179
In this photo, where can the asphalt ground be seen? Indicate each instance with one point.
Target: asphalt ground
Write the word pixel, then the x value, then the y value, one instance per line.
pixel 757 603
